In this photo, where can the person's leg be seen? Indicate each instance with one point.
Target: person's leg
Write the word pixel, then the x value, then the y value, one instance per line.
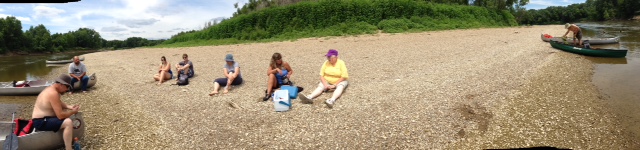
pixel 67 133
pixel 318 91
pixel 228 85
pixel 167 76
pixel 580 38
pixel 216 85
pixel 161 77
pixel 309 99
pixel 271 83
pixel 156 77
pixel 339 88
pixel 188 72
pixel 191 73
pixel 73 81
pixel 85 82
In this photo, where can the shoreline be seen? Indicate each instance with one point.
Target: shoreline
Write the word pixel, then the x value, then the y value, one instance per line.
pixel 497 92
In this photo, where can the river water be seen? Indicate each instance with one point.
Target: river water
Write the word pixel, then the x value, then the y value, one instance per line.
pixel 618 79
pixel 22 67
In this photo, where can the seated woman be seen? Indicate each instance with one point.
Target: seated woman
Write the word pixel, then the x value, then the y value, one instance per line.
pixel 277 72
pixel 164 73
pixel 232 75
pixel 333 75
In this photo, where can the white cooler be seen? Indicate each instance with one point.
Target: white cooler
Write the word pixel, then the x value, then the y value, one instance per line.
pixel 281 100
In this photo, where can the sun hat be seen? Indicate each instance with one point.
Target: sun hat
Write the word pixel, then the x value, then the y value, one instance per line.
pixel 332 52
pixel 566 26
pixel 63 79
pixel 229 57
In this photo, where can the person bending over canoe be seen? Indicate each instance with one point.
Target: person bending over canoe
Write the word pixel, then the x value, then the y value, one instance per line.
pixel 333 75
pixel 232 75
pixel 51 114
pixel 78 72
pixel 577 33
pixel 164 73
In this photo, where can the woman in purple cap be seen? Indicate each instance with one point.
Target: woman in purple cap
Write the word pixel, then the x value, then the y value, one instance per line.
pixel 333 75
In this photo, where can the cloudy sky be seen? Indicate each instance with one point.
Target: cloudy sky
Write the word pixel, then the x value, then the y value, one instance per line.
pixel 151 19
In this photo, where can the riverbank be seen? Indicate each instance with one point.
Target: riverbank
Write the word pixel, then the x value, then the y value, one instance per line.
pixel 460 89
pixel 40 54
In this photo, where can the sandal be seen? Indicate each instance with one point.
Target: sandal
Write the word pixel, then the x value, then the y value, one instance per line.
pixel 266 96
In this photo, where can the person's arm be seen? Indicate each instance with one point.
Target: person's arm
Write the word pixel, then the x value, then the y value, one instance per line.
pixel 84 71
pixel 167 68
pixel 71 71
pixel 178 66
pixel 270 70
pixel 225 71
pixel 235 74
pixel 286 65
pixel 57 106
pixel 344 74
pixel 565 34
pixel 324 81
pixel 186 65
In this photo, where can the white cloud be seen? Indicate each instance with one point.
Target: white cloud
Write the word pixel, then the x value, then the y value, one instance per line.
pixel 22 19
pixel 44 11
pixel 137 23
pixel 121 19
pixel 112 29
pixel 543 2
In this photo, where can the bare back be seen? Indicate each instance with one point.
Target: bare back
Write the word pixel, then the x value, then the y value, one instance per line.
pixel 574 29
pixel 43 106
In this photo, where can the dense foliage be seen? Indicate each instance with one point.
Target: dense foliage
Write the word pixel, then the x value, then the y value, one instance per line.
pixel 346 17
pixel 39 39
pixel 594 10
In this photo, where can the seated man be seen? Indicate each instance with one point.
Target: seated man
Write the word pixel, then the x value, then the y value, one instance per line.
pixel 51 114
pixel 185 66
pixel 78 72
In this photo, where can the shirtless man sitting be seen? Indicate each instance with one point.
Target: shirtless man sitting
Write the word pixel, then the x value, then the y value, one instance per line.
pixel 51 114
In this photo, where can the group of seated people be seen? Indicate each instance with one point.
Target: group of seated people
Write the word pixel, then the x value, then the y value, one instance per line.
pixel 333 76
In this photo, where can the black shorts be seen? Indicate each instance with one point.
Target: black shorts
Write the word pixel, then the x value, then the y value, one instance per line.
pixel 579 35
pixel 47 124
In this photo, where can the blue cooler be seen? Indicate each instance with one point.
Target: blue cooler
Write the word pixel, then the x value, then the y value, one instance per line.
pixel 293 91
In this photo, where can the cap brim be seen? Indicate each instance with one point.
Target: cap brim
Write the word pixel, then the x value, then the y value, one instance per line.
pixel 62 82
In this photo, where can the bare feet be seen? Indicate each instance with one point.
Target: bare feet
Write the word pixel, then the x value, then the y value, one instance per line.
pixel 213 93
pixel 226 89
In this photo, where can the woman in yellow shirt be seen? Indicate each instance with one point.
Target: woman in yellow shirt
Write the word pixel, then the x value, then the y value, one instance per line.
pixel 333 75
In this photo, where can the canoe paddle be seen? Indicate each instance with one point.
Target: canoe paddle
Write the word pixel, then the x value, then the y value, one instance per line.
pixel 11 142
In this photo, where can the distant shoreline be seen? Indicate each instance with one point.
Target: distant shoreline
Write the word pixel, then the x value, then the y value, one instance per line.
pixel 40 54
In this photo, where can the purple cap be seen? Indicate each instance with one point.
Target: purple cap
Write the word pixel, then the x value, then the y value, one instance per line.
pixel 332 52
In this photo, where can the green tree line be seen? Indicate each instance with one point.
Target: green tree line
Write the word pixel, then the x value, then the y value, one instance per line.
pixel 345 17
pixel 39 39
pixel 593 10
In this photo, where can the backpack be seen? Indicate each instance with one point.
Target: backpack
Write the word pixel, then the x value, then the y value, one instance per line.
pixel 183 79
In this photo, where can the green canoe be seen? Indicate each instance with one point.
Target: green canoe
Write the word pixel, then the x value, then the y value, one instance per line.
pixel 589 52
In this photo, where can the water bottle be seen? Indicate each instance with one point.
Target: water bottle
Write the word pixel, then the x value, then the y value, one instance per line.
pixel 76 144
